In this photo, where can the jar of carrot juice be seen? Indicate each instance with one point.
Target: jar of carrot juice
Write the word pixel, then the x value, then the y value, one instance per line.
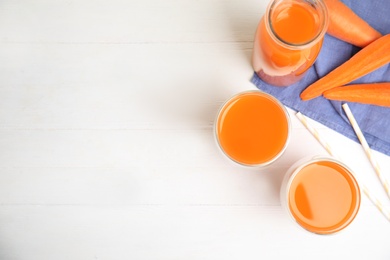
pixel 288 40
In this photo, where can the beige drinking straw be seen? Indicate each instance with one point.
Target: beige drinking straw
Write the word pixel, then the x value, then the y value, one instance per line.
pixel 366 148
pixel 314 132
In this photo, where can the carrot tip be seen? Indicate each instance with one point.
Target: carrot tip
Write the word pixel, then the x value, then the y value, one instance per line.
pixel 305 97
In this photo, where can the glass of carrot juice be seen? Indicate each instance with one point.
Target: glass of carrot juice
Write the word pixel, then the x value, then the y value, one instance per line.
pixel 321 195
pixel 288 40
pixel 252 128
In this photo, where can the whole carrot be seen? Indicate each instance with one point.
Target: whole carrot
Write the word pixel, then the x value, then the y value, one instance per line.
pixel 373 94
pixel 345 25
pixel 368 59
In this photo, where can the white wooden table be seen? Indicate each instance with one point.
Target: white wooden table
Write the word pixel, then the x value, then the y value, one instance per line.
pixel 106 143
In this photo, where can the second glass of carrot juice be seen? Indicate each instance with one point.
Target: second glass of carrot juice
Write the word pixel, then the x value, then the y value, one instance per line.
pixel 321 195
pixel 288 40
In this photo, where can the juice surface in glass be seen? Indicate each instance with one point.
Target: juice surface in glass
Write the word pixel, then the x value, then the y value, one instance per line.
pixel 252 128
pixel 288 40
pixel 295 22
pixel 324 197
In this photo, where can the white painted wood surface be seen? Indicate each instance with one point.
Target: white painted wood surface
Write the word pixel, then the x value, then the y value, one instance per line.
pixel 106 144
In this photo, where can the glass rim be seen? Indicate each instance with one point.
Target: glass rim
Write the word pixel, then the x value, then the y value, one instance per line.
pixel 257 92
pixel 356 187
pixel 304 45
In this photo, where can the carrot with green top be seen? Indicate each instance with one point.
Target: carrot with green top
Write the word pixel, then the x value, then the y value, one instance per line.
pixel 368 59
pixel 345 25
pixel 372 94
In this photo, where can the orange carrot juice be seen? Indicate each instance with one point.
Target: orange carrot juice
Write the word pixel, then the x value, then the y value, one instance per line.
pixel 323 197
pixel 288 40
pixel 252 128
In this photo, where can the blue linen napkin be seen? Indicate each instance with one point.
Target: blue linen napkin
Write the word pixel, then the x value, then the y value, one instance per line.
pixel 374 121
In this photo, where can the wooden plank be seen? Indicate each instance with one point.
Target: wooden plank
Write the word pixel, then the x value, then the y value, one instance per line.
pixel 68 21
pixel 126 148
pixel 154 232
pixel 149 185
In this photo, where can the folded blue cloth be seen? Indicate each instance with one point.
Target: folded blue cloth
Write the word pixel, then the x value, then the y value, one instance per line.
pixel 374 121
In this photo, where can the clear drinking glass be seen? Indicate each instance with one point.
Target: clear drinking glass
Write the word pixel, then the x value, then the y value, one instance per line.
pixel 320 194
pixel 252 128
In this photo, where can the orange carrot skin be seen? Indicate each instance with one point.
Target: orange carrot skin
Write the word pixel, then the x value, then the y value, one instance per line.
pixel 368 59
pixel 372 94
pixel 345 25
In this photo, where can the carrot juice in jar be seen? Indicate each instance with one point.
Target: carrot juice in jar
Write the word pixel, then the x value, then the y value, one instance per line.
pixel 288 40
pixel 321 195
pixel 252 128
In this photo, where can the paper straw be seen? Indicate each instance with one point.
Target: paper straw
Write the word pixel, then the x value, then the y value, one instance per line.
pixel 315 133
pixel 370 196
pixel 377 203
pixel 366 148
